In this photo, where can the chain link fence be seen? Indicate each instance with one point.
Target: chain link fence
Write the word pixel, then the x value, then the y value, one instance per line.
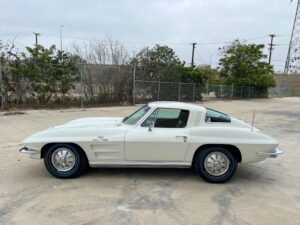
pixel 89 85
pixel 284 91
pixel 95 84
pixel 146 91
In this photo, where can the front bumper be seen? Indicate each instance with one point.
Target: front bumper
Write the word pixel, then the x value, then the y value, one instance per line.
pixel 277 151
pixel 33 153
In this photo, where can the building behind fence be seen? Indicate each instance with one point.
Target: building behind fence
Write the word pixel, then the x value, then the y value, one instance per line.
pixel 107 84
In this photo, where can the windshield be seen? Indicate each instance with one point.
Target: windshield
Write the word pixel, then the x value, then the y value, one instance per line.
pixel 136 116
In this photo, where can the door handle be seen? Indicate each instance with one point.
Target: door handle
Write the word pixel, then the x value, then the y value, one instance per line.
pixel 184 137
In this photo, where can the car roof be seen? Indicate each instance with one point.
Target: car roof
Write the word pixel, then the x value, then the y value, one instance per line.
pixel 174 104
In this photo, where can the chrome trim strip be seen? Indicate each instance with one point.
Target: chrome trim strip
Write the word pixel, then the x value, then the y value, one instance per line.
pixel 141 165
pixel 276 153
pixel 26 150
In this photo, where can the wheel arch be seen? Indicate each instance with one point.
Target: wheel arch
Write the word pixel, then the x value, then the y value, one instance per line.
pixel 232 148
pixel 47 146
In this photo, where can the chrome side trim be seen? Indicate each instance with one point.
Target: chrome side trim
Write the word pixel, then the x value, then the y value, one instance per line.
pixel 276 153
pixel 141 165
pixel 26 150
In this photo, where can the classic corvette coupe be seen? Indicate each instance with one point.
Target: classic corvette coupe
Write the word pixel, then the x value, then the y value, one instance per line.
pixel 159 134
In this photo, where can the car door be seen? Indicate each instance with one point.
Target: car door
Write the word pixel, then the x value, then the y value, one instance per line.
pixel 162 137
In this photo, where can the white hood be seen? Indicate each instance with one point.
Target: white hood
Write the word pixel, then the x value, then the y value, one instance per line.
pixel 103 122
pixel 84 128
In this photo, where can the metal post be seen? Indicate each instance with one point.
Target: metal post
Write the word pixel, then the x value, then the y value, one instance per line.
pixel 36 38
pixel 1 88
pixel 61 44
pixel 206 89
pixel 179 92
pixel 81 87
pixel 271 48
pixel 193 53
pixel 221 92
pixel 241 92
pixel 231 92
pixel 248 92
pixel 193 92
pixel 158 90
pixel 133 85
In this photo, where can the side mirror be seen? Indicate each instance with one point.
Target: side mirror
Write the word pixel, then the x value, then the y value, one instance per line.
pixel 151 126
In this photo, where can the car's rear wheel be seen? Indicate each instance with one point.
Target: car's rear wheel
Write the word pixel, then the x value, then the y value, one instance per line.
pixel 65 161
pixel 215 164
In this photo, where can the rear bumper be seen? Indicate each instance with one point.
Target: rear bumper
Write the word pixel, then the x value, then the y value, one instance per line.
pixel 277 151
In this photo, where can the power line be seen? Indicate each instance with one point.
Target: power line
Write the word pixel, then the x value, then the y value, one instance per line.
pixel 277 15
pixel 164 43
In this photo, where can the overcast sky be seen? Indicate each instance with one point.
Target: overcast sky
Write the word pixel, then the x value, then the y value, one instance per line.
pixel 139 23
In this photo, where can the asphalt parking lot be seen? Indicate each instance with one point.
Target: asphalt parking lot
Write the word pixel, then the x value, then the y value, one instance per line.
pixel 261 193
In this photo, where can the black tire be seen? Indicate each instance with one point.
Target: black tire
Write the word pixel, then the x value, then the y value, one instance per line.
pixel 79 166
pixel 199 165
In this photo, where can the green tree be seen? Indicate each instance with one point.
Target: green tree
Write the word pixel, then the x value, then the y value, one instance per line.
pixel 50 71
pixel 160 62
pixel 199 75
pixel 243 65
pixel 37 74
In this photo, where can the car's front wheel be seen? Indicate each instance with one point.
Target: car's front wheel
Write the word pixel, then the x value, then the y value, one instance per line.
pixel 65 161
pixel 215 164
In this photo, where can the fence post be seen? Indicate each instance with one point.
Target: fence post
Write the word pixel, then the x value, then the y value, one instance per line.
pixel 221 92
pixel 241 92
pixel 1 88
pixel 193 92
pixel 231 92
pixel 81 88
pixel 207 89
pixel 179 91
pixel 248 92
pixel 158 91
pixel 133 85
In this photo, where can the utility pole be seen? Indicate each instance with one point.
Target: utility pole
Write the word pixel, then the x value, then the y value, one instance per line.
pixel 292 64
pixel 1 88
pixel 81 86
pixel 36 38
pixel 271 47
pixel 193 53
pixel 60 28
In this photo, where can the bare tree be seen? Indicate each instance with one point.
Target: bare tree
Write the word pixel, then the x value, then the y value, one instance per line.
pixel 16 86
pixel 107 75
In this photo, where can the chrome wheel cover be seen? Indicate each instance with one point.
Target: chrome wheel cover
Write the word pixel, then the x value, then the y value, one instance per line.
pixel 216 163
pixel 63 159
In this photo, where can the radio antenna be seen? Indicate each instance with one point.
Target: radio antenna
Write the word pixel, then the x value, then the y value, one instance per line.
pixel 253 119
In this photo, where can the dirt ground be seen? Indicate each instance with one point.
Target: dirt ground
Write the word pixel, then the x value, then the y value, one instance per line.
pixel 261 193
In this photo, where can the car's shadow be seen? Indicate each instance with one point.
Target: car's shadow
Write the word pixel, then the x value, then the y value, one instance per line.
pixel 168 173
pixel 244 174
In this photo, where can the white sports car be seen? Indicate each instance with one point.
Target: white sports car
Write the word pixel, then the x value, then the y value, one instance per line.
pixel 159 134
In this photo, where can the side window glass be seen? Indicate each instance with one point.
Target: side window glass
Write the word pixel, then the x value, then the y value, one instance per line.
pixel 215 116
pixel 150 120
pixel 167 118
